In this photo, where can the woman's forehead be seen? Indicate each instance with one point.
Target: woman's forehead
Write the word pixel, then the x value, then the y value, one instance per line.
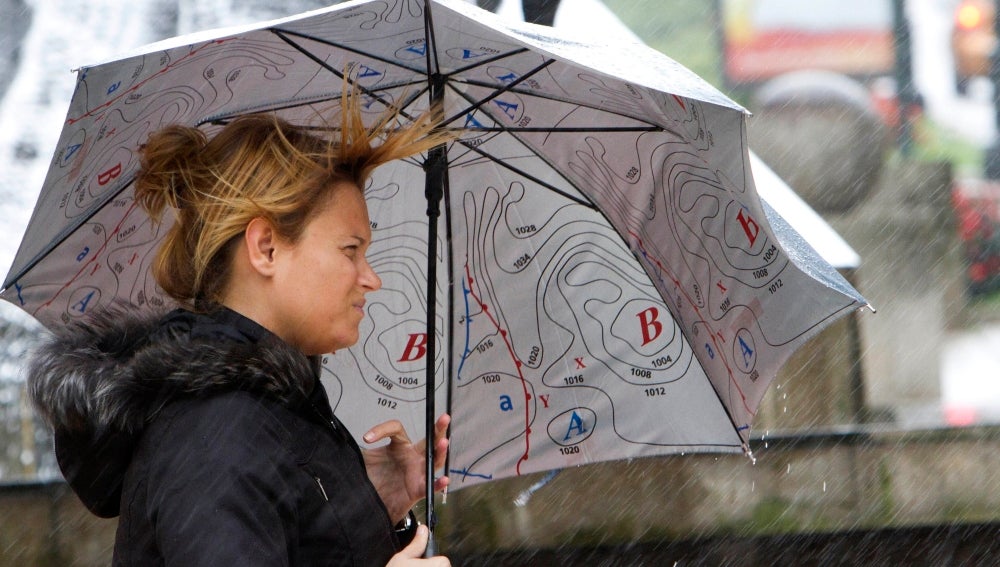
pixel 346 210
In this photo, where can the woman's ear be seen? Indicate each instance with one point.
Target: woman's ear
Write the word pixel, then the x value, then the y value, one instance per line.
pixel 261 239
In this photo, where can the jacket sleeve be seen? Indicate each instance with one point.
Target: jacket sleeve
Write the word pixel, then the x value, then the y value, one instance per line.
pixel 222 486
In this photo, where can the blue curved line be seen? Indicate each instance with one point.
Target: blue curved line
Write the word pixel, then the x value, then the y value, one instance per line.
pixel 645 256
pixel 468 319
pixel 465 474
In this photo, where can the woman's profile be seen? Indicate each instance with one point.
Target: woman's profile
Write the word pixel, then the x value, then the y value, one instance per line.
pixel 206 429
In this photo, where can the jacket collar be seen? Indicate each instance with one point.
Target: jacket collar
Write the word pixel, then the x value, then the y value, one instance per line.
pixel 100 382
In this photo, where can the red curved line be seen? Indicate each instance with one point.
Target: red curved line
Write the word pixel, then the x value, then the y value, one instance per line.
pixel 83 268
pixel 134 87
pixel 712 332
pixel 517 364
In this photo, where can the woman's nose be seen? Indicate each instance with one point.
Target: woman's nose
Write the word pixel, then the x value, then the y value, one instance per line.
pixel 369 279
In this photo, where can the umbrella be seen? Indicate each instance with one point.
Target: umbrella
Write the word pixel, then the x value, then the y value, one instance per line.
pixel 604 283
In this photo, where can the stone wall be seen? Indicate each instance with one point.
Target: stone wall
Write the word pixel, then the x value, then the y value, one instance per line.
pixel 836 482
pixel 45 525
pixel 799 487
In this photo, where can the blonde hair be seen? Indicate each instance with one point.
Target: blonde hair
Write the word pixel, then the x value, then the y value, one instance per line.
pixel 257 166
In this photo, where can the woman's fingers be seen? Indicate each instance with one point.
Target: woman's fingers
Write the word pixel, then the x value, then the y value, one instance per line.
pixel 392 429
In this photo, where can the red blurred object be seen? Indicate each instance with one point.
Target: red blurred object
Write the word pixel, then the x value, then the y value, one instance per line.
pixel 763 39
pixel 972 40
pixel 960 416
pixel 977 213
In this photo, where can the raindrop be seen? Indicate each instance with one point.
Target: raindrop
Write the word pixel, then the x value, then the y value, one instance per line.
pixel 25 151
pixel 824 486
pixel 523 498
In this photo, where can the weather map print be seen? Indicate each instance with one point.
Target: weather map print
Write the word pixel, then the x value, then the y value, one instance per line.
pixel 608 284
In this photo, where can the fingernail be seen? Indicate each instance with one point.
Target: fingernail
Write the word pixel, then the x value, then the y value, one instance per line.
pixel 369 437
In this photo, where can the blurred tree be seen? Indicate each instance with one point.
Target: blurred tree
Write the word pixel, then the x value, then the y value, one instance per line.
pixel 685 30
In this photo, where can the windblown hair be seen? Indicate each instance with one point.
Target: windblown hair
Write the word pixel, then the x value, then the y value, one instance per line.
pixel 257 166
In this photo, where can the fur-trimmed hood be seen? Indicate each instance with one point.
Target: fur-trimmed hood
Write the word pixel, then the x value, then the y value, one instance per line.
pixel 100 382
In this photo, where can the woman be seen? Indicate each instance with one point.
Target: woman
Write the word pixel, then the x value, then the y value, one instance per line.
pixel 207 429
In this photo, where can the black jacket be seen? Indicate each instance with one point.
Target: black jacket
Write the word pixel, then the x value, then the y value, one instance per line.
pixel 212 439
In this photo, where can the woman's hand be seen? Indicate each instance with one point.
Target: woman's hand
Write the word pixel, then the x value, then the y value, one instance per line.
pixel 411 554
pixel 398 469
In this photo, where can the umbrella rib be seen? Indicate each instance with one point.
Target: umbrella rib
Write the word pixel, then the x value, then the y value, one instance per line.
pixel 556 129
pixel 512 131
pixel 283 36
pixel 527 175
pixel 63 235
pixel 647 259
pixel 495 58
pixel 506 88
pixel 510 87
pixel 546 96
pixel 222 119
pixel 430 42
pixel 283 33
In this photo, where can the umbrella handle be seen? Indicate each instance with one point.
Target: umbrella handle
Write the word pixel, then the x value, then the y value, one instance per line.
pixel 431 549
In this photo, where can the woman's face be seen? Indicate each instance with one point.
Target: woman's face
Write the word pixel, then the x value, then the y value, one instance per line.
pixel 321 280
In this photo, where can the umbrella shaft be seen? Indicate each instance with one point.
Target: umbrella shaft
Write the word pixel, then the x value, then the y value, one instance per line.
pixel 435 169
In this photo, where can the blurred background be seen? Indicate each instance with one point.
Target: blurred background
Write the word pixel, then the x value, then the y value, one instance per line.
pixel 878 443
